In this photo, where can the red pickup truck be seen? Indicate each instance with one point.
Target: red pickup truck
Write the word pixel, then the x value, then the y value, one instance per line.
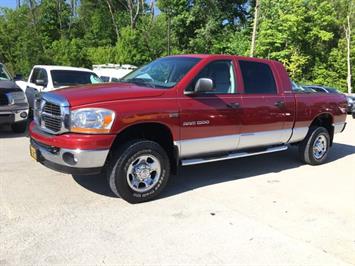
pixel 181 110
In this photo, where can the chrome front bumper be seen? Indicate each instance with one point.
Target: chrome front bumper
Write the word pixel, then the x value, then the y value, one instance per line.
pixel 18 115
pixel 70 160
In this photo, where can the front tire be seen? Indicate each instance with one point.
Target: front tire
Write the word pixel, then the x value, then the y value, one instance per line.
pixel 19 127
pixel 138 171
pixel 314 148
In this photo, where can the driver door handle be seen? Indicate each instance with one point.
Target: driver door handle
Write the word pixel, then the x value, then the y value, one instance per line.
pixel 280 104
pixel 233 105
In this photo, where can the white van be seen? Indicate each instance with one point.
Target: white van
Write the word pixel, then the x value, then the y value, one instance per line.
pixel 112 72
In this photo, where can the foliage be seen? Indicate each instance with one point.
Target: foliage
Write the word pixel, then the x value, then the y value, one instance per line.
pixel 308 36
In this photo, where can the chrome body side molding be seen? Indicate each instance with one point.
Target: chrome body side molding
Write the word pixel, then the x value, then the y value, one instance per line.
pixel 264 138
pixel 223 144
pixel 192 147
pixel 339 127
pixel 298 134
pixel 231 156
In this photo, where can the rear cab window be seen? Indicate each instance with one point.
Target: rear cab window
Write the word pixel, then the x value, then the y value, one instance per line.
pixel 257 77
pixel 71 78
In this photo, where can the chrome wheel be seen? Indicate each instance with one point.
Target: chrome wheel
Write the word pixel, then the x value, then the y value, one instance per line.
pixel 320 147
pixel 143 173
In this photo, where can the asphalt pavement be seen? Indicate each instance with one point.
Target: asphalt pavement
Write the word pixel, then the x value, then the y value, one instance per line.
pixel 263 210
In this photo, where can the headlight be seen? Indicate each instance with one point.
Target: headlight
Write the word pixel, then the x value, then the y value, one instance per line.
pixel 91 120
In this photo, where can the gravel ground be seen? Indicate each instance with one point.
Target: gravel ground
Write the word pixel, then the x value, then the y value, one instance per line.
pixel 263 210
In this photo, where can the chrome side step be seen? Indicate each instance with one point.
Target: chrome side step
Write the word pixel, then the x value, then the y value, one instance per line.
pixel 232 156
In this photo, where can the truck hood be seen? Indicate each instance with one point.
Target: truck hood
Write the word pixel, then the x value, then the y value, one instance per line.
pixel 7 86
pixel 104 92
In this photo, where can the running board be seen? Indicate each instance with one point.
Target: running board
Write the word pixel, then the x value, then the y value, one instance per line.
pixel 231 156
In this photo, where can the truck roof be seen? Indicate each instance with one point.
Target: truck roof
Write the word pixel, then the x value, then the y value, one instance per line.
pixel 216 56
pixel 54 67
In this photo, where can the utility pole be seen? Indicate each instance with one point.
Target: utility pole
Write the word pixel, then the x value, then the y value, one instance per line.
pixel 253 39
pixel 348 30
pixel 169 33
pixel 18 3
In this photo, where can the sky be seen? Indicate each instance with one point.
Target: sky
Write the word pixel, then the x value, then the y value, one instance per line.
pixel 8 3
pixel 12 4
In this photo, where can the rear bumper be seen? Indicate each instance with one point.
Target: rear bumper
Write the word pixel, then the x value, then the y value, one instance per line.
pixel 71 161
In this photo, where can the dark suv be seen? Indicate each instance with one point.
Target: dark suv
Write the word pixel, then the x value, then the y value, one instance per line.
pixel 13 103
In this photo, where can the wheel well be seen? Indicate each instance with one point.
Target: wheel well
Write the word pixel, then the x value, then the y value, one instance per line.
pixel 326 121
pixel 150 131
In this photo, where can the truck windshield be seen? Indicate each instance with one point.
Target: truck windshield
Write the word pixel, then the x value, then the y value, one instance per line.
pixel 71 78
pixel 161 73
pixel 4 75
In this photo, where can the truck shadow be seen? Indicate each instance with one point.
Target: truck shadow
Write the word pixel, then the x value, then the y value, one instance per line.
pixel 194 177
pixel 7 133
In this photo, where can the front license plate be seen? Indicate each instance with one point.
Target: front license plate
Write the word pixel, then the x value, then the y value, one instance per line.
pixel 33 152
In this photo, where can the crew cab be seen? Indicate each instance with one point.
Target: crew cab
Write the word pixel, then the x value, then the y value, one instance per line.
pixel 181 110
pixel 13 103
pixel 46 78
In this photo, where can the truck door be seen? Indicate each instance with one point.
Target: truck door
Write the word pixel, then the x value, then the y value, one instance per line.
pixel 209 121
pixel 38 75
pixel 266 115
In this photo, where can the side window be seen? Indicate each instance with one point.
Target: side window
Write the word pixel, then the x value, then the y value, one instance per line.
pixel 105 78
pixel 221 73
pixel 34 76
pixel 39 73
pixel 257 77
pixel 115 80
pixel 43 75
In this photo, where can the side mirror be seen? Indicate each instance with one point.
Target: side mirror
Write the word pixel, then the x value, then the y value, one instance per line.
pixel 18 77
pixel 41 82
pixel 204 85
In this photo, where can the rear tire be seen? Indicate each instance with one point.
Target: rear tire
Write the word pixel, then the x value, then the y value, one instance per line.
pixel 138 171
pixel 314 148
pixel 19 127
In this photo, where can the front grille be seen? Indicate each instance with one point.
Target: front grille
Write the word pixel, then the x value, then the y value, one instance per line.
pixel 51 113
pixel 51 118
pixel 52 123
pixel 52 109
pixel 3 100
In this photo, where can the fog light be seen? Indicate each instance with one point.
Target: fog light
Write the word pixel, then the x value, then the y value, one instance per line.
pixel 23 115
pixel 69 158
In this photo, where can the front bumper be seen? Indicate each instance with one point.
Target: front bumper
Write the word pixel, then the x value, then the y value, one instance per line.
pixel 13 115
pixel 70 161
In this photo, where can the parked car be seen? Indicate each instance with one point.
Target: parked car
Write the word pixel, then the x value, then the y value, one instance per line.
pixel 112 72
pixel 351 103
pixel 181 110
pixel 324 89
pixel 45 78
pixel 298 88
pixel 13 103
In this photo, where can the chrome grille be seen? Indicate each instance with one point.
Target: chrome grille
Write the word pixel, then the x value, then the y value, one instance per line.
pixel 51 117
pixel 52 109
pixel 52 114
